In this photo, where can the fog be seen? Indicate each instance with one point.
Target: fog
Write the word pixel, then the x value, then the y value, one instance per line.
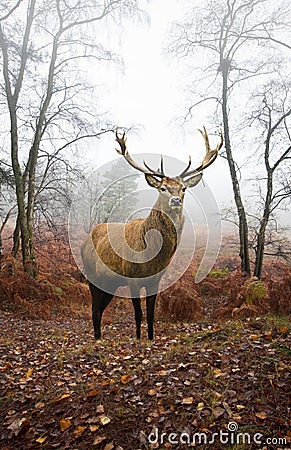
pixel 148 95
pixel 152 95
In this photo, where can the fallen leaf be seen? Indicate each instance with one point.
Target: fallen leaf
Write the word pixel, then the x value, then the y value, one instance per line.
pixel 239 407
pixel 94 428
pixel 99 439
pixel 109 446
pixel 187 401
pixel 62 397
pixel 125 379
pixel 145 361
pixel 104 420
pixel 217 412
pixel 92 393
pixel 100 409
pixel 217 394
pixel 65 424
pixel 261 415
pixel 39 405
pixel 200 406
pixel 7 366
pixel 236 417
pixel 41 440
pixel 19 425
pixel 268 335
pixel 79 430
pixel 254 336
pixel 152 392
pixel 29 373
pixel 93 419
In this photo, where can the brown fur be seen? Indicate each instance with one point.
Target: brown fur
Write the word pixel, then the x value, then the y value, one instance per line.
pixel 111 252
pixel 168 221
pixel 138 253
pixel 109 266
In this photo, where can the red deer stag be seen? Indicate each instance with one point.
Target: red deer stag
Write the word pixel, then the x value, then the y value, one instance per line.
pixel 111 253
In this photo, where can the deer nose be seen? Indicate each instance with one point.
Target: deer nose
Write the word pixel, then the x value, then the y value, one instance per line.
pixel 176 201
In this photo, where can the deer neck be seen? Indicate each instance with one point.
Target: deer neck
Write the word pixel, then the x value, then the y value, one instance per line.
pixel 169 221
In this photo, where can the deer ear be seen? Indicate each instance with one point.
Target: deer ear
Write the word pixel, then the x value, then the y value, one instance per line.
pixel 152 181
pixel 193 181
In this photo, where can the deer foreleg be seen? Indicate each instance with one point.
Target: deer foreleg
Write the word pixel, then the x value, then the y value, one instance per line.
pixel 100 300
pixel 138 315
pixel 150 301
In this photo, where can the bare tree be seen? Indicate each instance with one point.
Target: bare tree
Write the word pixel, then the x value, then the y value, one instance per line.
pixel 42 44
pixel 7 197
pixel 273 114
pixel 225 32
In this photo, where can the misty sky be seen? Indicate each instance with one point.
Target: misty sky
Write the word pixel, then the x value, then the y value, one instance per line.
pixel 149 95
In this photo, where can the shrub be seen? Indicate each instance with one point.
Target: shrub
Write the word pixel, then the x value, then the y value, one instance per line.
pixel 179 304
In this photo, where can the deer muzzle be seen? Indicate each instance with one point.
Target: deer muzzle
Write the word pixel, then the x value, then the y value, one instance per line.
pixel 175 202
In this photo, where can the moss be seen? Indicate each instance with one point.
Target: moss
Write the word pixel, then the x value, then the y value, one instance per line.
pixel 215 273
pixel 219 273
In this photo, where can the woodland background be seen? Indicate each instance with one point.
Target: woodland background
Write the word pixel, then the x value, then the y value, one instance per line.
pixel 223 346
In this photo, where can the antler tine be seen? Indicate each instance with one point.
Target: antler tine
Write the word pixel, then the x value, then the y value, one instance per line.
pixel 122 142
pixel 162 166
pixel 210 155
pixel 186 169
pixel 209 158
pixel 124 152
pixel 158 172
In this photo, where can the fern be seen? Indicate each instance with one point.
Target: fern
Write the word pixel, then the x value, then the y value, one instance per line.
pixel 255 290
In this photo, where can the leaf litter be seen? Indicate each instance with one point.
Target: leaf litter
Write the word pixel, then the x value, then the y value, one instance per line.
pixel 60 389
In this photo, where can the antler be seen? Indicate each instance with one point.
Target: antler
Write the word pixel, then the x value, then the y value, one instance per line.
pixel 209 158
pixel 124 152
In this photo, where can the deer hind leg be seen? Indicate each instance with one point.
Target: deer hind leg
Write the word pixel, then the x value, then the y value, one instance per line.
pixel 150 302
pixel 138 315
pixel 100 300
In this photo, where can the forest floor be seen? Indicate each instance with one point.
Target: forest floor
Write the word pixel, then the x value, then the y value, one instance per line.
pixel 204 385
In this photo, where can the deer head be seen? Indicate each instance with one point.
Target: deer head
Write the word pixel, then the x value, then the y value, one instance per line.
pixel 172 189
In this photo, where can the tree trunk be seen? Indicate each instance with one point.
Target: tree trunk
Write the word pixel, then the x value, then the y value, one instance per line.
pixel 20 195
pixel 260 248
pixel 12 99
pixel 266 215
pixel 16 238
pixel 243 226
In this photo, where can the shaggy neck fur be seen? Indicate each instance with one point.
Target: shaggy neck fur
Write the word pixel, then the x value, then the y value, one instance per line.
pixel 168 221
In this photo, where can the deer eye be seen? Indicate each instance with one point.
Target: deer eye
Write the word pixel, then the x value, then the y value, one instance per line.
pixel 163 189
pixel 183 189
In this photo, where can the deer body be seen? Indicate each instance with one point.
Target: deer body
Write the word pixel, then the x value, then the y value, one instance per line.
pixel 137 253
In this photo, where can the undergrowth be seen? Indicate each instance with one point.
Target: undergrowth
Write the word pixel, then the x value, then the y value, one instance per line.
pixel 224 293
